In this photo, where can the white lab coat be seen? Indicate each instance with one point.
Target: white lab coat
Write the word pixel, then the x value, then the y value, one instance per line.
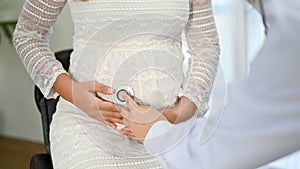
pixel 261 119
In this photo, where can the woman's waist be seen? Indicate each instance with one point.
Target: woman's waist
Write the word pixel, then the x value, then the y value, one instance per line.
pixel 138 42
pixel 154 75
pixel 121 59
pixel 151 72
pixel 152 87
pixel 149 88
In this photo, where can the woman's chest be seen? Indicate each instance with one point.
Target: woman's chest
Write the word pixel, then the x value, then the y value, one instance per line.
pixel 97 13
pixel 128 7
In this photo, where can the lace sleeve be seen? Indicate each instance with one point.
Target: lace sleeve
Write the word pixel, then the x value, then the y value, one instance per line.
pixel 203 42
pixel 31 40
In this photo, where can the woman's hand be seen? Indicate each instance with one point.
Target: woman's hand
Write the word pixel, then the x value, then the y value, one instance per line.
pixel 83 95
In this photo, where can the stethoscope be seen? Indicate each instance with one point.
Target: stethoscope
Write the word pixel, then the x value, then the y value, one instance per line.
pixel 117 95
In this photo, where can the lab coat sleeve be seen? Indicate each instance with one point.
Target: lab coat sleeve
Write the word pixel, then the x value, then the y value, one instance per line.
pixel 173 149
pixel 247 137
pixel 261 119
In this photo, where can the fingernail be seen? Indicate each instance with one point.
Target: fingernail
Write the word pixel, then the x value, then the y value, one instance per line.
pixel 111 90
pixel 123 95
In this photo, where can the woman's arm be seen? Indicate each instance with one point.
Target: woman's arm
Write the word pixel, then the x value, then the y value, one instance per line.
pixel 202 39
pixel 31 40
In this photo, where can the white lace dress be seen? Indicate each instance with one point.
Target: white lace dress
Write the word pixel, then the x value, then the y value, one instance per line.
pixel 119 42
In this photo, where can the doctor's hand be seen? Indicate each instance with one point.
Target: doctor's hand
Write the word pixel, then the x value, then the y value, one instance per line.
pixel 183 110
pixel 138 119
pixel 83 95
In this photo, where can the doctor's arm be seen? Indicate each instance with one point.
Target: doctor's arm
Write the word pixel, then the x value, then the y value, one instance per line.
pixel 247 136
pixel 260 122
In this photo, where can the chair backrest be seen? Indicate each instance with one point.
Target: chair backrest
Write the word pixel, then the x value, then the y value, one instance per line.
pixel 47 107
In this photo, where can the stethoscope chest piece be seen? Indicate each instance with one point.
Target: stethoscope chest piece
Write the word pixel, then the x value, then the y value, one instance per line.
pixel 119 98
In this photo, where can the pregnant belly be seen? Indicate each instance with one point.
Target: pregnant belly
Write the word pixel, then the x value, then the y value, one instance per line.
pixel 154 75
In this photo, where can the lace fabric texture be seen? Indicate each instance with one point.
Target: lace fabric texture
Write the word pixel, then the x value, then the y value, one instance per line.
pixel 203 42
pixel 35 24
pixel 31 40
pixel 117 42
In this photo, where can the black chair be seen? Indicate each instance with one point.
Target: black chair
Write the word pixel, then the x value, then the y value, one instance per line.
pixel 47 108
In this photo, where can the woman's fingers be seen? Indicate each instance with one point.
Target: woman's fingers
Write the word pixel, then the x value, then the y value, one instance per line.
pixel 114 120
pixel 107 106
pixel 113 117
pixel 85 99
pixel 111 124
pixel 110 114
pixel 98 87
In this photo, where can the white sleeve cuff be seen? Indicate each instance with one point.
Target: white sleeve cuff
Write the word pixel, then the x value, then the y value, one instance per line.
pixel 164 136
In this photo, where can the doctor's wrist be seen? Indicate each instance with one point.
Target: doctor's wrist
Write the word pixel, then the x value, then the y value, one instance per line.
pixel 183 111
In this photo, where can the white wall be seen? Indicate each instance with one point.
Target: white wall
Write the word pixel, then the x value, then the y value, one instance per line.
pixel 19 117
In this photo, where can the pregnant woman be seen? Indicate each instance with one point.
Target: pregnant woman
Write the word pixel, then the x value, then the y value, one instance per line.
pixel 136 43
